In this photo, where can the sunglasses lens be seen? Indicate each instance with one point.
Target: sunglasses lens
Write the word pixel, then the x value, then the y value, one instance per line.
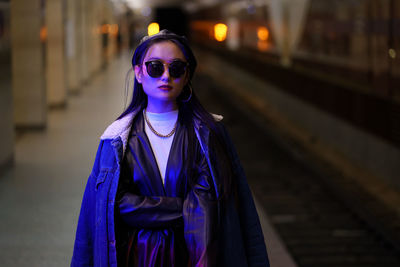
pixel 155 68
pixel 177 69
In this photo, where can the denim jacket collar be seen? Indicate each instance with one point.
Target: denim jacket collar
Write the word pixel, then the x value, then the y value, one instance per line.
pixel 119 129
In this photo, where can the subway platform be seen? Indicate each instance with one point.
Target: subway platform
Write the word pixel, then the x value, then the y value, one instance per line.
pixel 40 197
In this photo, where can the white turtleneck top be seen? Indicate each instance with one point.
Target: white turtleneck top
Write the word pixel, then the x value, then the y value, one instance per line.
pixel 163 123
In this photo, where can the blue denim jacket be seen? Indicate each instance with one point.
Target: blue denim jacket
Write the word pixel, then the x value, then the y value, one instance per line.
pixel 241 239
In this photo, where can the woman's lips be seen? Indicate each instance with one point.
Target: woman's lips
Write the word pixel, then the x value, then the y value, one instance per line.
pixel 165 87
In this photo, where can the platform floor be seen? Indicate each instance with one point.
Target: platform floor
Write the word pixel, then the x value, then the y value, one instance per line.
pixel 40 197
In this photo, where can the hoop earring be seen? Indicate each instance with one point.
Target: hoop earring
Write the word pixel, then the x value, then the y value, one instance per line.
pixel 190 96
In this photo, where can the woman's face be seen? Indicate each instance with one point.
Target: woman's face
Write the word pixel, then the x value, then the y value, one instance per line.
pixel 162 91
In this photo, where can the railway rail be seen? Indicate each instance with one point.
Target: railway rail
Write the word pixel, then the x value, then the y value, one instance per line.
pixel 308 205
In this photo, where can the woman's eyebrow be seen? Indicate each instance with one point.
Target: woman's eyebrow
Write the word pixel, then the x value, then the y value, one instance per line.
pixel 152 58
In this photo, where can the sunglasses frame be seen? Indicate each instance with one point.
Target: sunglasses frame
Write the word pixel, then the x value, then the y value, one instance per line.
pixel 147 63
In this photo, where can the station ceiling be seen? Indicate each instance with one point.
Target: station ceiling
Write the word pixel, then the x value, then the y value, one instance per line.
pixel 188 4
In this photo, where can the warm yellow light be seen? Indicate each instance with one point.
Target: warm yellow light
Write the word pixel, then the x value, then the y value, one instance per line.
pixel 114 29
pixel 105 28
pixel 262 33
pixel 392 53
pixel 153 28
pixel 43 34
pixel 263 46
pixel 220 31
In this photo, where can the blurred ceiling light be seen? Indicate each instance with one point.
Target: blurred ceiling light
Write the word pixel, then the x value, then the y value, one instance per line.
pixel 392 53
pixel 135 4
pixel 262 33
pixel 153 28
pixel 220 31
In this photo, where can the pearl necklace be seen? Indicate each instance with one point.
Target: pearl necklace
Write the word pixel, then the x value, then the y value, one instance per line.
pixel 154 131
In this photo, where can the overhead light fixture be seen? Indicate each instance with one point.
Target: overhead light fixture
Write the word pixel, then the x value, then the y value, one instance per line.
pixel 220 31
pixel 135 4
pixel 153 28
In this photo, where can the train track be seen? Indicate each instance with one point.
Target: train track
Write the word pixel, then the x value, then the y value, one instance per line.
pixel 318 222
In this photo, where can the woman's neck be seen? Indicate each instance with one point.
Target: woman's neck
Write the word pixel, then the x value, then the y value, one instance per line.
pixel 161 107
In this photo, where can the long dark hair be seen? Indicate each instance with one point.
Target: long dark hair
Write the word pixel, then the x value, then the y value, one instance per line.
pixel 187 109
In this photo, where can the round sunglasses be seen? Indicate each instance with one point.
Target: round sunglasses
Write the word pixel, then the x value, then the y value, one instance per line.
pixel 155 68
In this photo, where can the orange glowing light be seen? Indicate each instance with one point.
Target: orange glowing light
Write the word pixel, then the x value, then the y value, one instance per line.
pixel 105 28
pixel 262 33
pixel 43 34
pixel 114 29
pixel 263 46
pixel 153 28
pixel 220 31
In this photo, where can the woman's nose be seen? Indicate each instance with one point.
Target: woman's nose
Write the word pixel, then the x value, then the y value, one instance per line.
pixel 165 76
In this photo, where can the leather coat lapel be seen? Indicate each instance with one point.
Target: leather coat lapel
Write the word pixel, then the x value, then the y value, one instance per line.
pixel 144 160
pixel 203 134
pixel 146 171
pixel 120 128
pixel 175 174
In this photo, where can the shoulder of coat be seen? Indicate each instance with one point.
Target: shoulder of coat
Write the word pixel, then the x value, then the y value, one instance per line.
pixel 117 128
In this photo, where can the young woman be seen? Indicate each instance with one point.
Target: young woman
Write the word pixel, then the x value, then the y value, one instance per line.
pixel 167 188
